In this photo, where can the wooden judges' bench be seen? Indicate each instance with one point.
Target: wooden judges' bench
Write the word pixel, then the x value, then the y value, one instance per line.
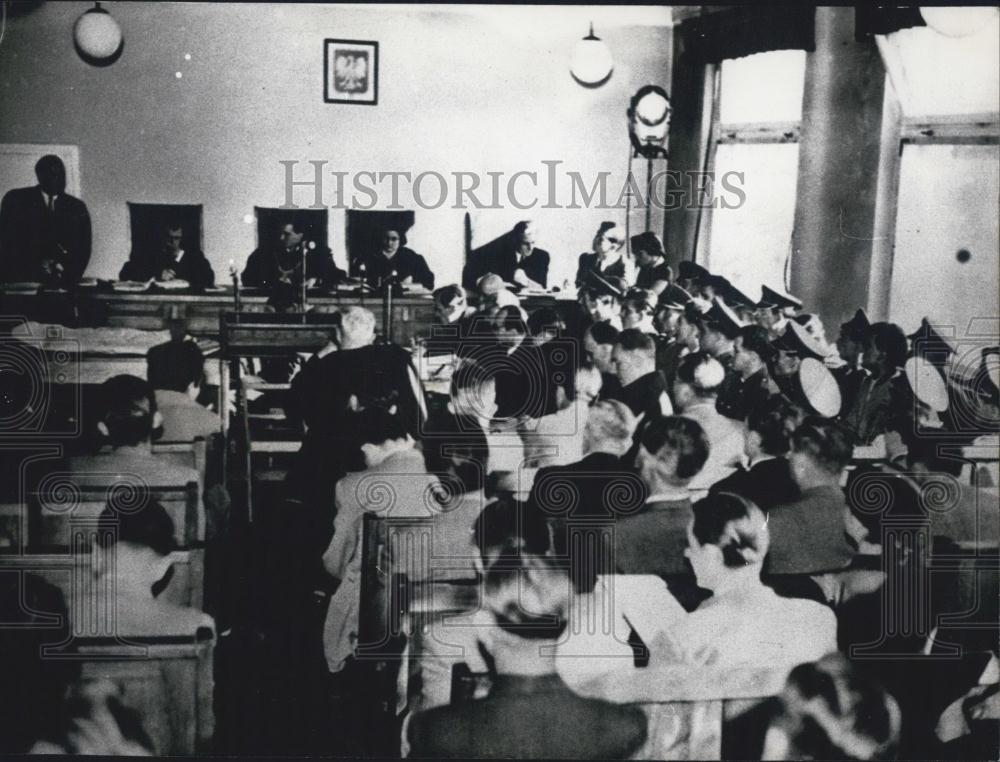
pixel 412 314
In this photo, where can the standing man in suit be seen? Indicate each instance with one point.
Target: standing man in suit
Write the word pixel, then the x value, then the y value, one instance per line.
pixel 169 261
pixel 513 257
pixel 44 232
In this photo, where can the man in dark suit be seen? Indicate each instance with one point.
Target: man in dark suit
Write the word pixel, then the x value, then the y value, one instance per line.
pixel 169 261
pixel 277 266
pixel 752 386
pixel 643 387
pixel 671 452
pixel 513 257
pixel 768 479
pixel 44 232
pixel 586 498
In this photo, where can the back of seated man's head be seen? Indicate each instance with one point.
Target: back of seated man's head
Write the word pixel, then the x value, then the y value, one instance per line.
pixel 673 451
pixel 820 449
pixel 545 319
pixel 141 540
pixel 529 598
pixel 357 327
pixel 773 423
pixel 609 428
pixel 381 432
pixel 504 528
pixel 130 417
pixel 473 390
pixel 181 368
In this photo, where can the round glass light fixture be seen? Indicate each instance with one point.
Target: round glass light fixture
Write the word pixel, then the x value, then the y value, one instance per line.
pixel 591 64
pixel 97 37
pixel 954 21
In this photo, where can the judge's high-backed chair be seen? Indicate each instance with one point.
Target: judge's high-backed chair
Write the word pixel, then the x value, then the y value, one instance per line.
pixel 365 229
pixel 271 221
pixel 148 222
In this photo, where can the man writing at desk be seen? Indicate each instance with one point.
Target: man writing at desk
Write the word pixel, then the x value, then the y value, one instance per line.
pixel 44 232
pixel 513 257
pixel 170 262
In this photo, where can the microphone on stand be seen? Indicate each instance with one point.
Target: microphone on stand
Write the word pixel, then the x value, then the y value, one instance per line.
pixel 364 282
pixel 236 288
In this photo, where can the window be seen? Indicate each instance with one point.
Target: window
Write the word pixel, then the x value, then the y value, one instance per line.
pixel 757 133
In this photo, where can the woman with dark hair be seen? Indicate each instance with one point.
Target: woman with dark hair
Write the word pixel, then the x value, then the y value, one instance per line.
pixel 606 258
pixel 394 257
pixel 744 623
pixel 884 402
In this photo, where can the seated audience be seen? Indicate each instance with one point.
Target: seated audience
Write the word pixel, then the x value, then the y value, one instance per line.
pixel 134 552
pixel 606 258
pixel 744 623
pixel 767 479
pixel 775 309
pixel 793 346
pixel 169 261
pixel 695 392
pixel 671 452
pixel 530 712
pixel 642 386
pixel 176 371
pixel 809 535
pixel 394 257
pixel 831 710
pixel 394 484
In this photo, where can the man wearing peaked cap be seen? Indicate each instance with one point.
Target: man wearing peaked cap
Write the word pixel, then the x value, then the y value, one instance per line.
pixel 927 342
pixel 794 345
pixel 774 309
pixel 742 305
pixel 654 273
pixel 691 276
pixel 718 328
pixel 602 298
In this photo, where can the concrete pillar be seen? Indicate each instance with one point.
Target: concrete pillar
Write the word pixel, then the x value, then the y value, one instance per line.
pixel 838 169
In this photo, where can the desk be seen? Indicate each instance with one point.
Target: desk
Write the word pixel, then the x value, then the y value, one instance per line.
pixel 412 315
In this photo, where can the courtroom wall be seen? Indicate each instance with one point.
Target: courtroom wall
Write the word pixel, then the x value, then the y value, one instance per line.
pixel 459 90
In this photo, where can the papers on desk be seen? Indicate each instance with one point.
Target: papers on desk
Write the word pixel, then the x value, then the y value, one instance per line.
pixel 172 285
pixel 23 287
pixel 130 286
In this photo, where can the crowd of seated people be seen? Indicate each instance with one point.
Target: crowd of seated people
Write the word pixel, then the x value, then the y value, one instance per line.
pixel 668 449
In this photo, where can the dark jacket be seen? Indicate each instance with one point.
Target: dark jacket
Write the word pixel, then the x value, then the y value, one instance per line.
pixel 529 718
pixel 809 535
pixel 193 267
pixel 500 257
pixel 522 384
pixel 30 233
pixel 588 263
pixel 644 395
pixel 653 540
pixel 582 501
pixel 263 271
pixel 767 484
pixel 407 264
pixel 738 396
pixel 647 276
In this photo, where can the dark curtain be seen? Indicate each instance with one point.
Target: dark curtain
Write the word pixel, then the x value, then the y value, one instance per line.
pixel 743 31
